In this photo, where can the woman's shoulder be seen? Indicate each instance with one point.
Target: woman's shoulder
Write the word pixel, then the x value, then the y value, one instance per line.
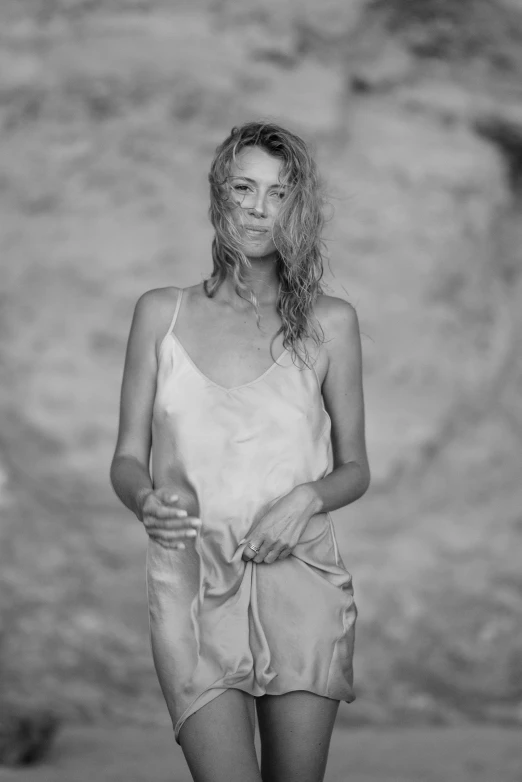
pixel 340 326
pixel 159 297
pixel 155 308
pixel 333 313
pixel 168 296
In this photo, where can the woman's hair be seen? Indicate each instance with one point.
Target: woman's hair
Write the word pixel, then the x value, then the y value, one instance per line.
pixel 297 236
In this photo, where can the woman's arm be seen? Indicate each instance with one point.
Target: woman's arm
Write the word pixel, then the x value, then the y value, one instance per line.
pixel 129 471
pixel 164 520
pixel 344 401
pixel 278 532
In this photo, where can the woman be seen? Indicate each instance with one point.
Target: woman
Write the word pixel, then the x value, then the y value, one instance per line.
pixel 252 441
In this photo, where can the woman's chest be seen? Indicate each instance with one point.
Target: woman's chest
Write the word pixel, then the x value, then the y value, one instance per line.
pixel 234 357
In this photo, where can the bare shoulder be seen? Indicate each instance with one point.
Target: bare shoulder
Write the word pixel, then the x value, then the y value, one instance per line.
pixel 157 303
pixel 153 312
pixel 158 297
pixel 338 319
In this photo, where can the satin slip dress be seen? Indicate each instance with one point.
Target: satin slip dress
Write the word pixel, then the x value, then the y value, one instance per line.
pixel 216 621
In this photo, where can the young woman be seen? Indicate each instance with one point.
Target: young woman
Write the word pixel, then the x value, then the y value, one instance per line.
pixel 245 393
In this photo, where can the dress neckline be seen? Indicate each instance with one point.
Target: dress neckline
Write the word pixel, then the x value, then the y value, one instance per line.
pixel 217 385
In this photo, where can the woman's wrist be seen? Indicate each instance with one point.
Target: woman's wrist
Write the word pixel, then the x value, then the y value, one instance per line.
pixel 311 497
pixel 139 500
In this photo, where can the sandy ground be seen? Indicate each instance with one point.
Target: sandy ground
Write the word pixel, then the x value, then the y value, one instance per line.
pixel 460 754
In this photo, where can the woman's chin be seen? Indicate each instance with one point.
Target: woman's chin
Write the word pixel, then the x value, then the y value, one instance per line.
pixel 258 247
pixel 259 254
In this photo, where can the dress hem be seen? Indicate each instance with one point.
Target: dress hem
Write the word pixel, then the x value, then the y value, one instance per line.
pixel 219 690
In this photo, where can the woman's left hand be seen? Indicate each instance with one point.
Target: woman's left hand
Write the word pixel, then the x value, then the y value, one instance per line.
pixel 278 531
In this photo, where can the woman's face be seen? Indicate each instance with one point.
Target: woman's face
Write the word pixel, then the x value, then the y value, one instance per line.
pixel 256 193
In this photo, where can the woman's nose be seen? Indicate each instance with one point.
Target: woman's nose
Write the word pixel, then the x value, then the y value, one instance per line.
pixel 259 205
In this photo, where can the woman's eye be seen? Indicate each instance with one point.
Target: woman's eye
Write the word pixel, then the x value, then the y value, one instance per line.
pixel 241 188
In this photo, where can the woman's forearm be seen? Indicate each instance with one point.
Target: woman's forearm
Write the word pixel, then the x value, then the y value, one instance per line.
pixel 342 486
pixel 130 480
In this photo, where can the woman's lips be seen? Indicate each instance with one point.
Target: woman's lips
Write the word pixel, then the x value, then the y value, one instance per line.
pixel 257 232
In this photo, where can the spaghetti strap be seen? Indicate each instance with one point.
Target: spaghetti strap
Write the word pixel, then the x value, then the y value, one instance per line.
pixel 176 310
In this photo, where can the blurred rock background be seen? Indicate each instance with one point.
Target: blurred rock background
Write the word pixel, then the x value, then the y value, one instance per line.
pixel 109 114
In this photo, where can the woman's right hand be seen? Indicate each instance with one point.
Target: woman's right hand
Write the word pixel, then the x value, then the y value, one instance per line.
pixel 164 521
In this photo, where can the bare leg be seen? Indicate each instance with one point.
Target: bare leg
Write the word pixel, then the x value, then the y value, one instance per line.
pixel 218 740
pixel 295 731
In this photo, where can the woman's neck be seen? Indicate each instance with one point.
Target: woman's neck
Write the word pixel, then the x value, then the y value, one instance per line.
pixel 262 280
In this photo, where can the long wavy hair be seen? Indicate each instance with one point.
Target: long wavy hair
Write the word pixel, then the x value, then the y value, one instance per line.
pixel 297 234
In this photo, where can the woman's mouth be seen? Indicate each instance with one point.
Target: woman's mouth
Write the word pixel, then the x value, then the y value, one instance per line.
pixel 256 233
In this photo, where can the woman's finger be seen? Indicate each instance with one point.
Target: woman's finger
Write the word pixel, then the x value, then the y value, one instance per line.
pixel 282 552
pixel 154 499
pixel 162 504
pixel 272 555
pixel 190 522
pixel 266 547
pixel 166 495
pixel 173 535
pixel 248 552
pixel 167 512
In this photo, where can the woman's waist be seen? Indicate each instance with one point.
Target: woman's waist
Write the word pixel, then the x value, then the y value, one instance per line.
pixel 232 496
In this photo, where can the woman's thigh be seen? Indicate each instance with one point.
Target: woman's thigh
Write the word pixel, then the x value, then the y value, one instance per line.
pixel 218 740
pixel 295 731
